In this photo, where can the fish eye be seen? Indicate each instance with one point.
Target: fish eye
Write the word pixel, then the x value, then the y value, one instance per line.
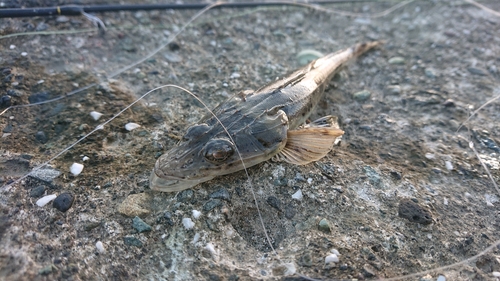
pixel 195 131
pixel 218 150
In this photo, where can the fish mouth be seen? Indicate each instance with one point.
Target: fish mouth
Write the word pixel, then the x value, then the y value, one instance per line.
pixel 172 184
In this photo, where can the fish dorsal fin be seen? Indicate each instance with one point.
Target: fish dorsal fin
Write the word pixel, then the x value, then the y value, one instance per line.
pixel 310 142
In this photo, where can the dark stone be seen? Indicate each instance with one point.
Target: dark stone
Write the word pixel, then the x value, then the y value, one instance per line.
pixel 212 204
pixel 185 195
pixel 140 225
pixel 5 101
pixel 7 129
pixel 41 137
pixel 37 191
pixel 414 212
pixel 396 175
pixel 38 97
pixel 27 156
pixel 63 201
pixel 477 71
pixel 132 241
pixel 289 212
pixel 274 202
pixel 221 194
pixel 168 218
pixel 173 46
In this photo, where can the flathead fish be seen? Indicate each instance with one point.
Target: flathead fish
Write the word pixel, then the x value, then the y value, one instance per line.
pixel 263 124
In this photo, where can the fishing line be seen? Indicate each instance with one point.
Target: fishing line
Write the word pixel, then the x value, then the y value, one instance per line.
pixel 171 39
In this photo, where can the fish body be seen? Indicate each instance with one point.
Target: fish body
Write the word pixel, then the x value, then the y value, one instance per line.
pixel 255 126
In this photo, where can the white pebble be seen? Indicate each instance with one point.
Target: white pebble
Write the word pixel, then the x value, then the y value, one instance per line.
pixel 210 248
pixel 12 47
pixel 496 273
pixel 331 258
pixel 429 156
pixel 76 169
pixel 85 158
pixel 309 180
pixel 196 214
pixel 100 247
pixel 445 201
pixel 24 54
pixel 441 278
pixel 40 81
pixel 196 238
pixel 448 165
pixel 188 223
pixel 235 75
pixel 297 195
pixel 335 251
pixel 96 115
pixel 46 199
pixel 131 126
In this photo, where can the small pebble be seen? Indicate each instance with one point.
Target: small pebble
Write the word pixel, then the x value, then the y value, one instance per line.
pixel 64 201
pixel 41 137
pixel 397 60
pixel 394 89
pixel 441 278
pixel 331 258
pixel 324 226
pixel 414 212
pixel 188 223
pixel 235 75
pixel 212 204
pixel 45 200
pixel 140 225
pixel 24 54
pixel 496 274
pixel 131 126
pixel 477 71
pixel 306 56
pixel 196 214
pixel 95 115
pixel 448 165
pixel 362 95
pixel 76 169
pixel 12 47
pixel 100 247
pixel 429 72
pixel 297 195
pixel 132 241
pixel 85 158
pixel 221 194
pixel 37 191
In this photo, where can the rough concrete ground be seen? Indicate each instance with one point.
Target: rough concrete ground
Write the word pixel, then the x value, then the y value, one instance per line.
pixel 403 192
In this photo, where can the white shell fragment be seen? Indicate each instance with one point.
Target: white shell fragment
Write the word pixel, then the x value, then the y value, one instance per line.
pixel 46 199
pixel 96 115
pixel 131 126
pixel 297 195
pixel 188 223
pixel 331 258
pixel 100 247
pixel 76 169
pixel 196 214
pixel 85 158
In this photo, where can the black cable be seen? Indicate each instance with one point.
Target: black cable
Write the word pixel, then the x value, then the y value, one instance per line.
pixel 74 10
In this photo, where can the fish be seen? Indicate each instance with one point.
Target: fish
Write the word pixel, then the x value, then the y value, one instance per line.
pixel 255 126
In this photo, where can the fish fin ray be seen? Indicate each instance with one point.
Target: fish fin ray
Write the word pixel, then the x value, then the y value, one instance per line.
pixel 311 142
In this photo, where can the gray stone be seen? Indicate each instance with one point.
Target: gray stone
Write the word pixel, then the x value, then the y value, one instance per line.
pixel 140 225
pixel 37 191
pixel 362 95
pixel 324 226
pixel 397 60
pixel 132 241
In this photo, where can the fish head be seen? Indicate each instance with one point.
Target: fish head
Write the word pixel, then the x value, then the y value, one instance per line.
pixel 207 151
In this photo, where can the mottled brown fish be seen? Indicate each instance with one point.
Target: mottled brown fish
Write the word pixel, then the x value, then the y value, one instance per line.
pixel 263 124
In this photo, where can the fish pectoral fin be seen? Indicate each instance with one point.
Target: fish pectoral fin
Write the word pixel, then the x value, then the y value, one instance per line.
pixel 311 142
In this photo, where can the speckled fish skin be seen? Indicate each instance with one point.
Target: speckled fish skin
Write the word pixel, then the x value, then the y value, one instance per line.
pixel 257 121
